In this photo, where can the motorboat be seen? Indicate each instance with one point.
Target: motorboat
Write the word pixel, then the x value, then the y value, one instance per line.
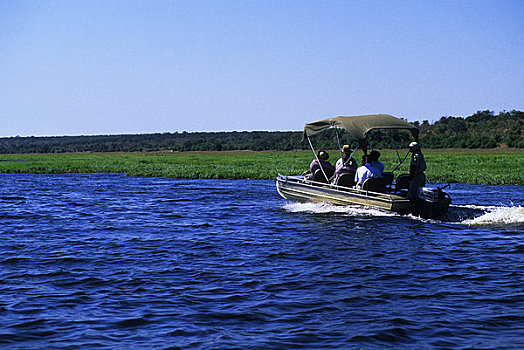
pixel 375 192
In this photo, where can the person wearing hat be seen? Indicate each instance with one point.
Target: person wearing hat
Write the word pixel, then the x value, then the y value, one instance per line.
pixel 346 163
pixel 416 170
pixel 321 159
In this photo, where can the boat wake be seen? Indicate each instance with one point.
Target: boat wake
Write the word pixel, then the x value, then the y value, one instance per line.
pixel 471 215
pixel 326 208
pixel 493 215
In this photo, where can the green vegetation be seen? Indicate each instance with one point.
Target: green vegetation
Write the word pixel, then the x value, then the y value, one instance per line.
pixel 152 154
pixel 496 167
pixel 198 141
pixel 197 165
pixel 481 130
pixel 489 167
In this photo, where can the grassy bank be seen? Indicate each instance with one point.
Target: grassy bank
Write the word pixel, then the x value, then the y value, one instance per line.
pixel 494 167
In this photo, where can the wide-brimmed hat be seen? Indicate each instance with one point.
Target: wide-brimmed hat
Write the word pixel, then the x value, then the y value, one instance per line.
pixel 346 149
pixel 414 145
pixel 323 155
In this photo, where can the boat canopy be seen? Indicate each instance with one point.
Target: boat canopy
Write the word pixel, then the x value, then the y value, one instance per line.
pixel 358 127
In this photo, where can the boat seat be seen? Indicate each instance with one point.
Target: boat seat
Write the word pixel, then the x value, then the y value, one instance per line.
pixel 346 179
pixel 375 184
pixel 318 176
pixel 402 182
pixel 388 177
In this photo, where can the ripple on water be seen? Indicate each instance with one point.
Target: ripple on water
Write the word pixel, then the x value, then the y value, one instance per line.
pixel 108 261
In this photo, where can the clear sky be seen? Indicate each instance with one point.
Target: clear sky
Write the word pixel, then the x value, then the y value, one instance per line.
pixel 120 67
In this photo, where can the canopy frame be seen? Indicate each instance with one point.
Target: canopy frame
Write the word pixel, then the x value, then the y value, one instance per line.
pixel 358 127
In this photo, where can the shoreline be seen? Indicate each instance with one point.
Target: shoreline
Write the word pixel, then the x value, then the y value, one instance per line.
pixel 486 167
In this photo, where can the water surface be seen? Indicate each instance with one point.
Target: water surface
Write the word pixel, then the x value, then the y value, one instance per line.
pixel 108 261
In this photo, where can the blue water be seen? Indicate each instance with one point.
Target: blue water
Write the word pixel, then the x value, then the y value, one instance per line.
pixel 115 262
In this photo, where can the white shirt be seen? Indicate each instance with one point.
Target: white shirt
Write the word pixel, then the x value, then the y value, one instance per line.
pixel 365 171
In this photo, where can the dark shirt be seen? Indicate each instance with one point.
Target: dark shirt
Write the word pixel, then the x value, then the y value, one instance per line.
pixel 418 163
pixel 325 165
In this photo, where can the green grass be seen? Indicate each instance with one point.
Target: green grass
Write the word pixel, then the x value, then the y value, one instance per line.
pixel 489 167
pixel 494 167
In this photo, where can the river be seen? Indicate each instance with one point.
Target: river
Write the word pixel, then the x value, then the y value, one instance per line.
pixel 112 262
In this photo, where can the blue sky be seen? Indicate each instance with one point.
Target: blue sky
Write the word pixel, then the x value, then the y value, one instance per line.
pixel 119 67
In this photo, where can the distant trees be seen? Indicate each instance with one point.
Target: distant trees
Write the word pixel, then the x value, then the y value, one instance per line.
pixel 483 129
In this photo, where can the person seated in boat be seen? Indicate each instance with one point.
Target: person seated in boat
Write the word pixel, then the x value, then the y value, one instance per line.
pixel 346 164
pixel 416 170
pixel 321 159
pixel 365 171
pixel 374 156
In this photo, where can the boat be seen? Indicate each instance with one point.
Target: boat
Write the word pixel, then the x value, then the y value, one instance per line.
pixel 376 192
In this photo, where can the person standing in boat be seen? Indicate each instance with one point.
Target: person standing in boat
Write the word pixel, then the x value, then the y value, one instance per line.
pixel 374 156
pixel 365 171
pixel 346 163
pixel 416 170
pixel 322 159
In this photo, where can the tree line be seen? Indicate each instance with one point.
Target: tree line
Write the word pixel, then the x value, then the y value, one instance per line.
pixel 483 129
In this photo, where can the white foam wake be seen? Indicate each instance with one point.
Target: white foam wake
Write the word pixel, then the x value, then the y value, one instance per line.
pixel 475 207
pixel 489 215
pixel 498 215
pixel 326 208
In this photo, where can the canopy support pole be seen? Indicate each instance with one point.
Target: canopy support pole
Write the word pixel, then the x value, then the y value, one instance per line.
pixel 318 160
pixel 363 144
pixel 401 162
pixel 356 148
pixel 398 155
pixel 351 156
pixel 338 140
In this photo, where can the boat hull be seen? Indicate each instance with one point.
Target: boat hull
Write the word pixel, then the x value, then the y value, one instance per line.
pixel 296 188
